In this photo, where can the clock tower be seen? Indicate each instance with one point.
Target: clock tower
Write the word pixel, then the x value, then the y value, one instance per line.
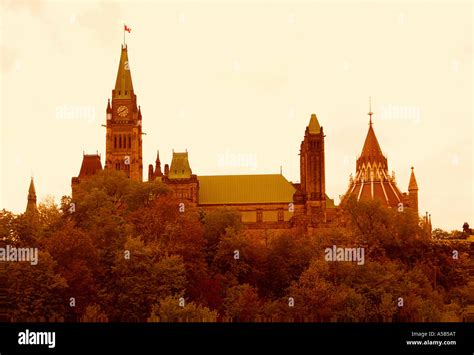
pixel 124 125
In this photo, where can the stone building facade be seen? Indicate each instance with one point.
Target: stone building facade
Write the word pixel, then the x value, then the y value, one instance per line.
pixel 265 201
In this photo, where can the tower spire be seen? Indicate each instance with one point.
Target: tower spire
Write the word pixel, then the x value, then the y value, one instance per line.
pixel 313 126
pixel 158 164
pixel 31 205
pixel 412 185
pixel 123 83
pixel 157 157
pixel 370 110
pixel 124 125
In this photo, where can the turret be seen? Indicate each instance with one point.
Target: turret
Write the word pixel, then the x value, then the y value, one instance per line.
pixel 158 165
pixel 31 204
pixel 109 111
pixel 312 171
pixel 413 191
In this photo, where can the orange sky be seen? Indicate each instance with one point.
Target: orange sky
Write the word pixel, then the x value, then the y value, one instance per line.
pixel 235 84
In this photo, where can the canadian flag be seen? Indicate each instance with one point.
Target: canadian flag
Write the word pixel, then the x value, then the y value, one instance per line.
pixel 125 28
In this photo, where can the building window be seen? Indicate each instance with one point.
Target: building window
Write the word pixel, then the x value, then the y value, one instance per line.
pixel 281 216
pixel 259 215
pixel 115 141
pixel 129 141
pixel 120 141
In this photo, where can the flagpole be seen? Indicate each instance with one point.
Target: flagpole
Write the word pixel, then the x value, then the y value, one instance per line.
pixel 124 35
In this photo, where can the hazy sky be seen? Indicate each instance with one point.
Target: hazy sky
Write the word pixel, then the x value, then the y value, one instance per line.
pixel 235 84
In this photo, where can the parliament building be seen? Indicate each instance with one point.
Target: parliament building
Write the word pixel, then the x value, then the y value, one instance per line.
pixel 266 201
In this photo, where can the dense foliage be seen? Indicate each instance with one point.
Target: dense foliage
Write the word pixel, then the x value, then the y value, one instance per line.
pixel 126 251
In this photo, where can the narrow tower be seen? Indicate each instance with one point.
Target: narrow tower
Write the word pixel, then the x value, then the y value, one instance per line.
pixel 312 171
pixel 31 205
pixel 155 173
pixel 124 125
pixel 413 191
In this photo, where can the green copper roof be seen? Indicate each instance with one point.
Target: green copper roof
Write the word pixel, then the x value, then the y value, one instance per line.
pixel 237 189
pixel 314 126
pixel 180 168
pixel 123 84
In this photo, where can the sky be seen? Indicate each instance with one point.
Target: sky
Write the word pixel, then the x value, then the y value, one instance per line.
pixel 235 84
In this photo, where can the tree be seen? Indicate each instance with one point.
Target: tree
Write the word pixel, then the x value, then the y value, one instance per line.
pixel 49 213
pixel 35 291
pixel 77 261
pixel 216 223
pixel 316 298
pixel 176 230
pixel 386 232
pixel 175 309
pixel 242 303
pixel 140 277
pixel 170 274
pixel 239 258
pixel 93 313
pixel 286 257
pixel 7 227
pixel 438 233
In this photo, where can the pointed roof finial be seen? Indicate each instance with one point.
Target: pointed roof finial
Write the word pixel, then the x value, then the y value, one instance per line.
pixel 412 185
pixel 370 110
pixel 314 126
pixel 31 205
pixel 31 190
pixel 123 83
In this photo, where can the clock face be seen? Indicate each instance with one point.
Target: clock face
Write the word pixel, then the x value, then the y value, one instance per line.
pixel 122 111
